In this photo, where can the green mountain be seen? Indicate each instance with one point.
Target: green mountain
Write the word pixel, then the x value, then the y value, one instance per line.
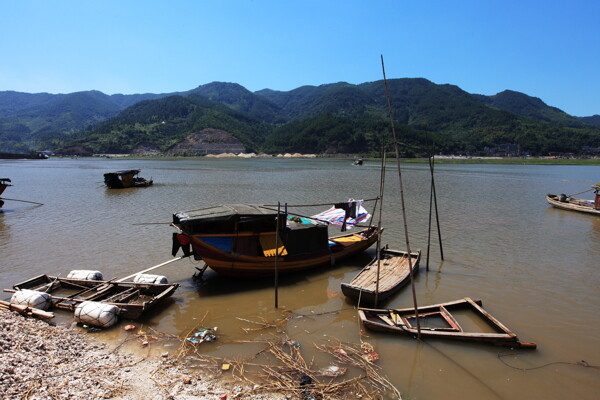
pixel 161 124
pixel 240 99
pixel 332 118
pixel 593 120
pixel 45 120
pixel 530 107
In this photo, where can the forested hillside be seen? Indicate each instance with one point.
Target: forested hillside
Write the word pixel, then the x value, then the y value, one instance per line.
pixel 332 118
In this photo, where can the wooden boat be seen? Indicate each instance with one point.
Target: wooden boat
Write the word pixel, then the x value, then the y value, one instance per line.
pixel 125 179
pixel 240 240
pixel 437 321
pixel 19 156
pixel 132 299
pixel 582 205
pixel 394 273
pixel 4 183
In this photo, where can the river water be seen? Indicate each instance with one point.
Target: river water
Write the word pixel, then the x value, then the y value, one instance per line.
pixel 535 268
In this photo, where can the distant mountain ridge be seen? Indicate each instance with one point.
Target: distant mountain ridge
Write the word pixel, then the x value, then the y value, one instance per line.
pixel 271 120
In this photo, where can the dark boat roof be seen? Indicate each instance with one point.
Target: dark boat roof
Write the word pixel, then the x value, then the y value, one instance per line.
pixel 223 212
pixel 124 172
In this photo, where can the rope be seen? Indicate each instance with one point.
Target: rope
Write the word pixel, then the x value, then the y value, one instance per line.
pixel 575 194
pixel 581 363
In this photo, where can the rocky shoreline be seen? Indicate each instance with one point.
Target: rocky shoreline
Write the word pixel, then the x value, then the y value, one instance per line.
pixel 41 361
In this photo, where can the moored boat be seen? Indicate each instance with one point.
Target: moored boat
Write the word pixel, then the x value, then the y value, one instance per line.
pixel 4 183
pixel 437 321
pixel 246 241
pixel 132 299
pixel 574 204
pixel 125 179
pixel 394 273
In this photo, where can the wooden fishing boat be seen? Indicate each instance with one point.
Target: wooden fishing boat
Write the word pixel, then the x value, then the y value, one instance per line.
pixel 573 204
pixel 132 299
pixel 437 321
pixel 4 183
pixel 19 156
pixel 394 273
pixel 241 240
pixel 125 179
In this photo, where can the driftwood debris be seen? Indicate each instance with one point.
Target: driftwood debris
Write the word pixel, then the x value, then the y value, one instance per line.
pixel 25 310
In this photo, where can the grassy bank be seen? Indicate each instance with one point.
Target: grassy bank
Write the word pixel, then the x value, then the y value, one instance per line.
pixel 517 161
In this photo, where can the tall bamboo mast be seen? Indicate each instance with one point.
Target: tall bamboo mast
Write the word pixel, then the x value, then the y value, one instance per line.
pixel 410 266
pixel 381 190
pixel 277 255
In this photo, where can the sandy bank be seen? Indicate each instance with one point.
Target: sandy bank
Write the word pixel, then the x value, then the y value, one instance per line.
pixel 40 361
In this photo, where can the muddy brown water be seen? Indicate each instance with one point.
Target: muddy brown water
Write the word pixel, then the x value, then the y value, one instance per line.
pixel 534 267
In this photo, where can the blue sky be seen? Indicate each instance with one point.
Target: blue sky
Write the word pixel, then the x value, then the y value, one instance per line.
pixel 547 49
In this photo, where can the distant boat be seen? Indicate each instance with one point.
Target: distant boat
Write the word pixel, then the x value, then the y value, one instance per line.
pixel 438 321
pixel 358 161
pixel 573 204
pixel 20 156
pixel 248 241
pixel 394 273
pixel 4 183
pixel 125 179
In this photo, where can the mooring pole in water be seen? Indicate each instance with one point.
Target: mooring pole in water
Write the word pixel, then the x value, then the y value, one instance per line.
pixel 277 254
pixel 381 190
pixel 437 214
pixel 410 262
pixel 432 201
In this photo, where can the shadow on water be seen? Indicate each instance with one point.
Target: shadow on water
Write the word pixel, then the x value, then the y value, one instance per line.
pixel 213 284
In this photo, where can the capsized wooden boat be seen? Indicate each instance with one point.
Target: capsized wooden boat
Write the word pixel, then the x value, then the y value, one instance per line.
pixel 125 179
pixel 394 273
pixel 437 321
pixel 239 240
pixel 573 204
pixel 132 299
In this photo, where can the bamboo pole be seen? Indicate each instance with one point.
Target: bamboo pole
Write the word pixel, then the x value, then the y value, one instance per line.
pixel 26 310
pixel 410 267
pixel 437 214
pixel 151 268
pixel 277 255
pixel 381 192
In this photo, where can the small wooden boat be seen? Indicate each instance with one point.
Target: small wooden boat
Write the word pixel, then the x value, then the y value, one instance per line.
pixel 582 205
pixel 394 273
pixel 132 299
pixel 19 156
pixel 437 321
pixel 125 179
pixel 4 183
pixel 239 240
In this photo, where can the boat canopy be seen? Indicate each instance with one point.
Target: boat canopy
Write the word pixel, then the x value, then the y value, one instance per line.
pixel 124 172
pixel 224 212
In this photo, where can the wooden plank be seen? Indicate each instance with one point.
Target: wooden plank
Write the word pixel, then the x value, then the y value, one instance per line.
pixel 490 318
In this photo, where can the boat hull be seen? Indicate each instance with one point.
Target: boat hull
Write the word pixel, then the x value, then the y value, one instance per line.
pixel 245 266
pixel 572 205
pixel 394 274
pixel 398 321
